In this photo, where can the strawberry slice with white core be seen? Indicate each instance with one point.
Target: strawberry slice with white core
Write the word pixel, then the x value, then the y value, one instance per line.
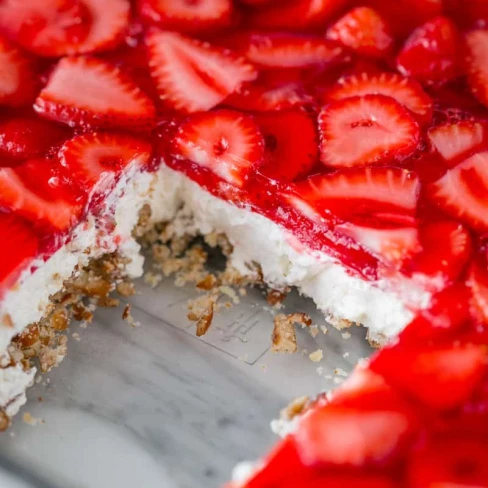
pixel 404 90
pixel 463 191
pixel 441 377
pixel 226 142
pixel 478 284
pixel 432 54
pixel 362 194
pixel 19 242
pixel 17 85
pixel 477 67
pixel 15 195
pixel 187 16
pixel 61 27
pixel 367 130
pixel 191 75
pixel 89 92
pixel 95 160
pixel 458 140
pixel 291 50
pixel 296 14
pixel 363 30
pixel 350 437
pixel 390 245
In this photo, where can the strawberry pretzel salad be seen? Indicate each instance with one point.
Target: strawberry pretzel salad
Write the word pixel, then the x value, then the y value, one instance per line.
pixel 340 146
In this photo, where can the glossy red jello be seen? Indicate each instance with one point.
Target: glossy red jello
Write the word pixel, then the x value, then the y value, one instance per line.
pixel 361 127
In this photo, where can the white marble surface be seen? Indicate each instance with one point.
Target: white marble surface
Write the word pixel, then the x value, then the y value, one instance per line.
pixel 154 406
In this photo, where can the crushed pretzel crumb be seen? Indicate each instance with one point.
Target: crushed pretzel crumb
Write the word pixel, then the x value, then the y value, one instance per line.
pixel 284 337
pixel 316 356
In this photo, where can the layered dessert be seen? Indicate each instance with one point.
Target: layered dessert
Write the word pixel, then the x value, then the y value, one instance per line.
pixel 341 147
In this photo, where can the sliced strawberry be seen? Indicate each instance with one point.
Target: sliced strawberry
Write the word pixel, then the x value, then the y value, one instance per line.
pixel 19 242
pixel 433 52
pixel 17 76
pixel 95 160
pixel 450 461
pixel 363 30
pixel 351 437
pixel 389 244
pixel 290 139
pixel 226 142
pixel 478 284
pixel 446 249
pixel 387 194
pixel 24 138
pixel 458 140
pixel 477 68
pixel 31 191
pixel 296 14
pixel 462 191
pixel 185 16
pixel 265 95
pixel 291 50
pixel 272 473
pixel 446 316
pixel 192 76
pixel 404 15
pixel 88 92
pixel 405 91
pixel 441 377
pixel 60 27
pixel 360 131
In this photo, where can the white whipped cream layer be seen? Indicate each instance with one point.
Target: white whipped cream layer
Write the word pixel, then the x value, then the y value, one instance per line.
pixel 255 238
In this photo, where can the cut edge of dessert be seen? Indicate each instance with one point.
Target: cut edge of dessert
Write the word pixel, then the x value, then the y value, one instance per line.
pixel 340 146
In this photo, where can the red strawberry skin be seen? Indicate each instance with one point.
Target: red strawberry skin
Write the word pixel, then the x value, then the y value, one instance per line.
pixel 433 52
pixel 24 138
pixel 290 139
pixel 364 31
pixel 88 92
pixel 441 377
pixel 18 83
pixel 360 131
pixel 20 243
pixel 38 191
